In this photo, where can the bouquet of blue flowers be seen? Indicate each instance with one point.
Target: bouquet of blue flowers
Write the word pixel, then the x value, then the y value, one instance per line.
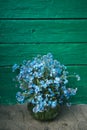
pixel 43 84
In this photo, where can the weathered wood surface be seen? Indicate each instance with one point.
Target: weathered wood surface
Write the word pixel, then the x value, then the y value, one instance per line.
pixel 18 118
pixel 65 53
pixel 43 9
pixel 32 27
pixel 8 89
pixel 12 31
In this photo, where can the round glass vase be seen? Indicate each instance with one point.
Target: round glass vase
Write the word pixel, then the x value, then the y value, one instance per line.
pixel 50 114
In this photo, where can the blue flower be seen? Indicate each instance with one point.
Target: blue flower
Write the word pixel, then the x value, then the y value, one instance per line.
pixel 78 77
pixel 42 82
pixel 36 109
pixel 14 67
pixel 20 97
pixel 54 104
pixel 37 89
pixel 72 91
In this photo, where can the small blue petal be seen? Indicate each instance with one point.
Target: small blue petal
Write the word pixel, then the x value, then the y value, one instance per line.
pixel 15 66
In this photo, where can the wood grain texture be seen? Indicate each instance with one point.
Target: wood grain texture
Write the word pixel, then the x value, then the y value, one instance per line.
pixel 43 9
pixel 8 89
pixel 65 53
pixel 12 31
pixel 32 27
pixel 43 31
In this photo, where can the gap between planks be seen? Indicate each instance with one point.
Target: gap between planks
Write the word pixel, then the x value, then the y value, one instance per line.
pixel 43 18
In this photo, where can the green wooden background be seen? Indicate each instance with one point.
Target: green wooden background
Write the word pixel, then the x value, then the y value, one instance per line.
pixel 32 27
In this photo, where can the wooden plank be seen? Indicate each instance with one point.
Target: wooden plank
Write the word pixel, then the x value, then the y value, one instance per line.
pixel 81 97
pixel 43 9
pixel 43 31
pixel 7 86
pixel 65 53
pixel 8 89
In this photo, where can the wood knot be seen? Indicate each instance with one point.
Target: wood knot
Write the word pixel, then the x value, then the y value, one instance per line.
pixel 33 30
